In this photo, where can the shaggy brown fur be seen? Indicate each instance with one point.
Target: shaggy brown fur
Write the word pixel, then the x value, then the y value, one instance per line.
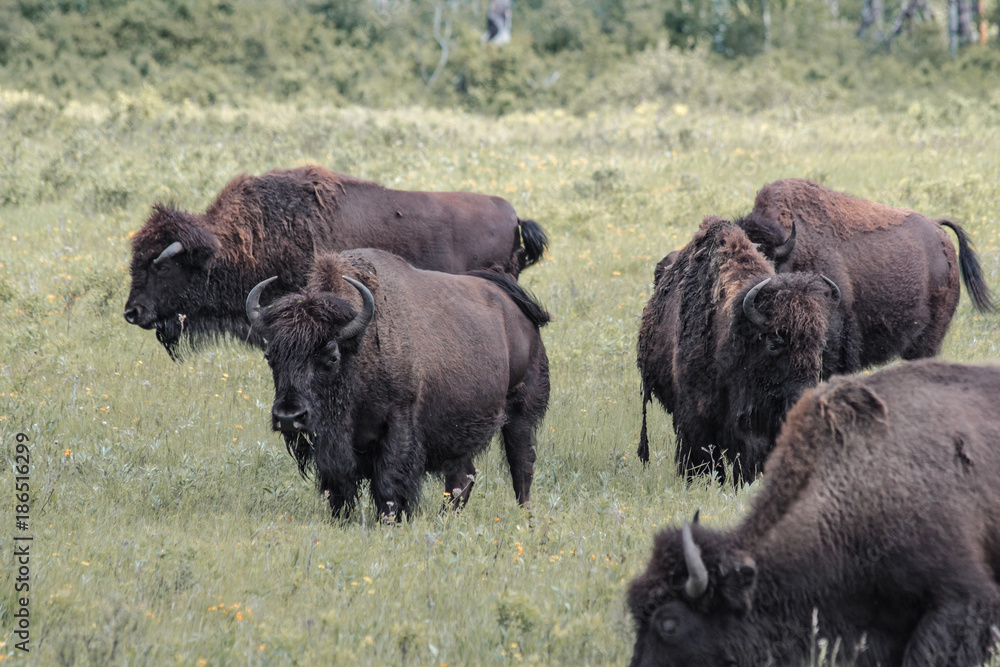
pixel 273 224
pixel 727 382
pixel 842 214
pixel 897 270
pixel 879 509
pixel 445 363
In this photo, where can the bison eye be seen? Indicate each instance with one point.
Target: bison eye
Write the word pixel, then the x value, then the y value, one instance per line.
pixel 775 344
pixel 668 626
pixel 330 354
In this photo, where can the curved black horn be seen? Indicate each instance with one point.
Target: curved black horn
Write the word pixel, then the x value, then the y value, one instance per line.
pixel 174 248
pixel 253 299
pixel 785 249
pixel 836 290
pixel 750 310
pixel 697 580
pixel 358 325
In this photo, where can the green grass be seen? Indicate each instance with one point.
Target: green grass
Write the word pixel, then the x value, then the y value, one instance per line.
pixel 169 524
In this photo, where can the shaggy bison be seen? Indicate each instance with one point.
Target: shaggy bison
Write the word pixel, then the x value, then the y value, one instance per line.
pixel 727 346
pixel 191 272
pixel 897 270
pixel 383 371
pixel 879 517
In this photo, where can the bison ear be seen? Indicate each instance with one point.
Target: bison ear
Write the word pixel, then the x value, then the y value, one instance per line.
pixel 201 246
pixel 738 585
pixel 645 595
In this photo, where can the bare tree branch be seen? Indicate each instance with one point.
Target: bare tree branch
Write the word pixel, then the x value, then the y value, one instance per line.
pixel 444 41
pixel 873 13
pixel 953 27
pixel 908 10
pixel 966 33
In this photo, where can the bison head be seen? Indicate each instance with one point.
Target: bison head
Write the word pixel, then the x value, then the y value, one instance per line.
pixel 171 260
pixel 312 338
pixel 693 603
pixel 779 329
pixel 771 239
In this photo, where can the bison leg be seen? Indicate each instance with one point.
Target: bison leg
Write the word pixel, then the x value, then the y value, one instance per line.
pixel 700 460
pixel 941 308
pixel 399 467
pixel 341 493
pixel 519 442
pixel 526 406
pixel 458 481
pixel 956 631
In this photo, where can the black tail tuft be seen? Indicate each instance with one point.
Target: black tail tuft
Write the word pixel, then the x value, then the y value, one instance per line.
pixel 525 300
pixel 643 450
pixel 972 272
pixel 534 239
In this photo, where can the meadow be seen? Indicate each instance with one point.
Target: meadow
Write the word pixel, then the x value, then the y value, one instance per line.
pixel 169 524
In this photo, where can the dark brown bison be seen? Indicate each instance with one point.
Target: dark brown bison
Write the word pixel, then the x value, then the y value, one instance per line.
pixel 383 372
pixel 190 273
pixel 727 346
pixel 879 516
pixel 897 270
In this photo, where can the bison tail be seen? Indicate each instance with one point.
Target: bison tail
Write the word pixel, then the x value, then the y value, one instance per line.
pixel 523 298
pixel 643 450
pixel 972 272
pixel 534 239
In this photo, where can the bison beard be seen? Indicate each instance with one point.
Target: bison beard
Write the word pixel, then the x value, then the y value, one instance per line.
pixel 419 380
pixel 200 267
pixel 879 510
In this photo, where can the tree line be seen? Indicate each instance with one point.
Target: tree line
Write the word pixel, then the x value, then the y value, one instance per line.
pixel 484 55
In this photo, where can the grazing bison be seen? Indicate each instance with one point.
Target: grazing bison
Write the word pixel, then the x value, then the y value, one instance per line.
pixel 417 377
pixel 191 272
pixel 727 346
pixel 897 270
pixel 879 516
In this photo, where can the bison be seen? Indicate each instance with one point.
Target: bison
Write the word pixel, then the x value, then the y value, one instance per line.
pixel 191 272
pixel 383 371
pixel 877 524
pixel 897 270
pixel 727 346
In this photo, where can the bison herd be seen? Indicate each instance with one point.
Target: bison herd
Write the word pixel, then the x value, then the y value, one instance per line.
pixel 400 343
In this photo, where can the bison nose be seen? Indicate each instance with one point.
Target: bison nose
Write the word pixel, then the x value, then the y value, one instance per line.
pixel 138 316
pixel 290 421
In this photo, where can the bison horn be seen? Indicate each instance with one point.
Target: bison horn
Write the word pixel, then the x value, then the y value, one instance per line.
pixel 750 310
pixel 358 325
pixel 174 248
pixel 785 249
pixel 836 290
pixel 697 580
pixel 253 299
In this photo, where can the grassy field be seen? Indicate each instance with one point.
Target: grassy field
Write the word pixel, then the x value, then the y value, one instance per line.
pixel 169 524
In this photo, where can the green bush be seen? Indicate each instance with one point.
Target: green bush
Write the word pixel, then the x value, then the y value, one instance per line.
pixel 564 53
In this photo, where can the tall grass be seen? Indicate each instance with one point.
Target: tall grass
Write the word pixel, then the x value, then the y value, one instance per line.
pixel 169 524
